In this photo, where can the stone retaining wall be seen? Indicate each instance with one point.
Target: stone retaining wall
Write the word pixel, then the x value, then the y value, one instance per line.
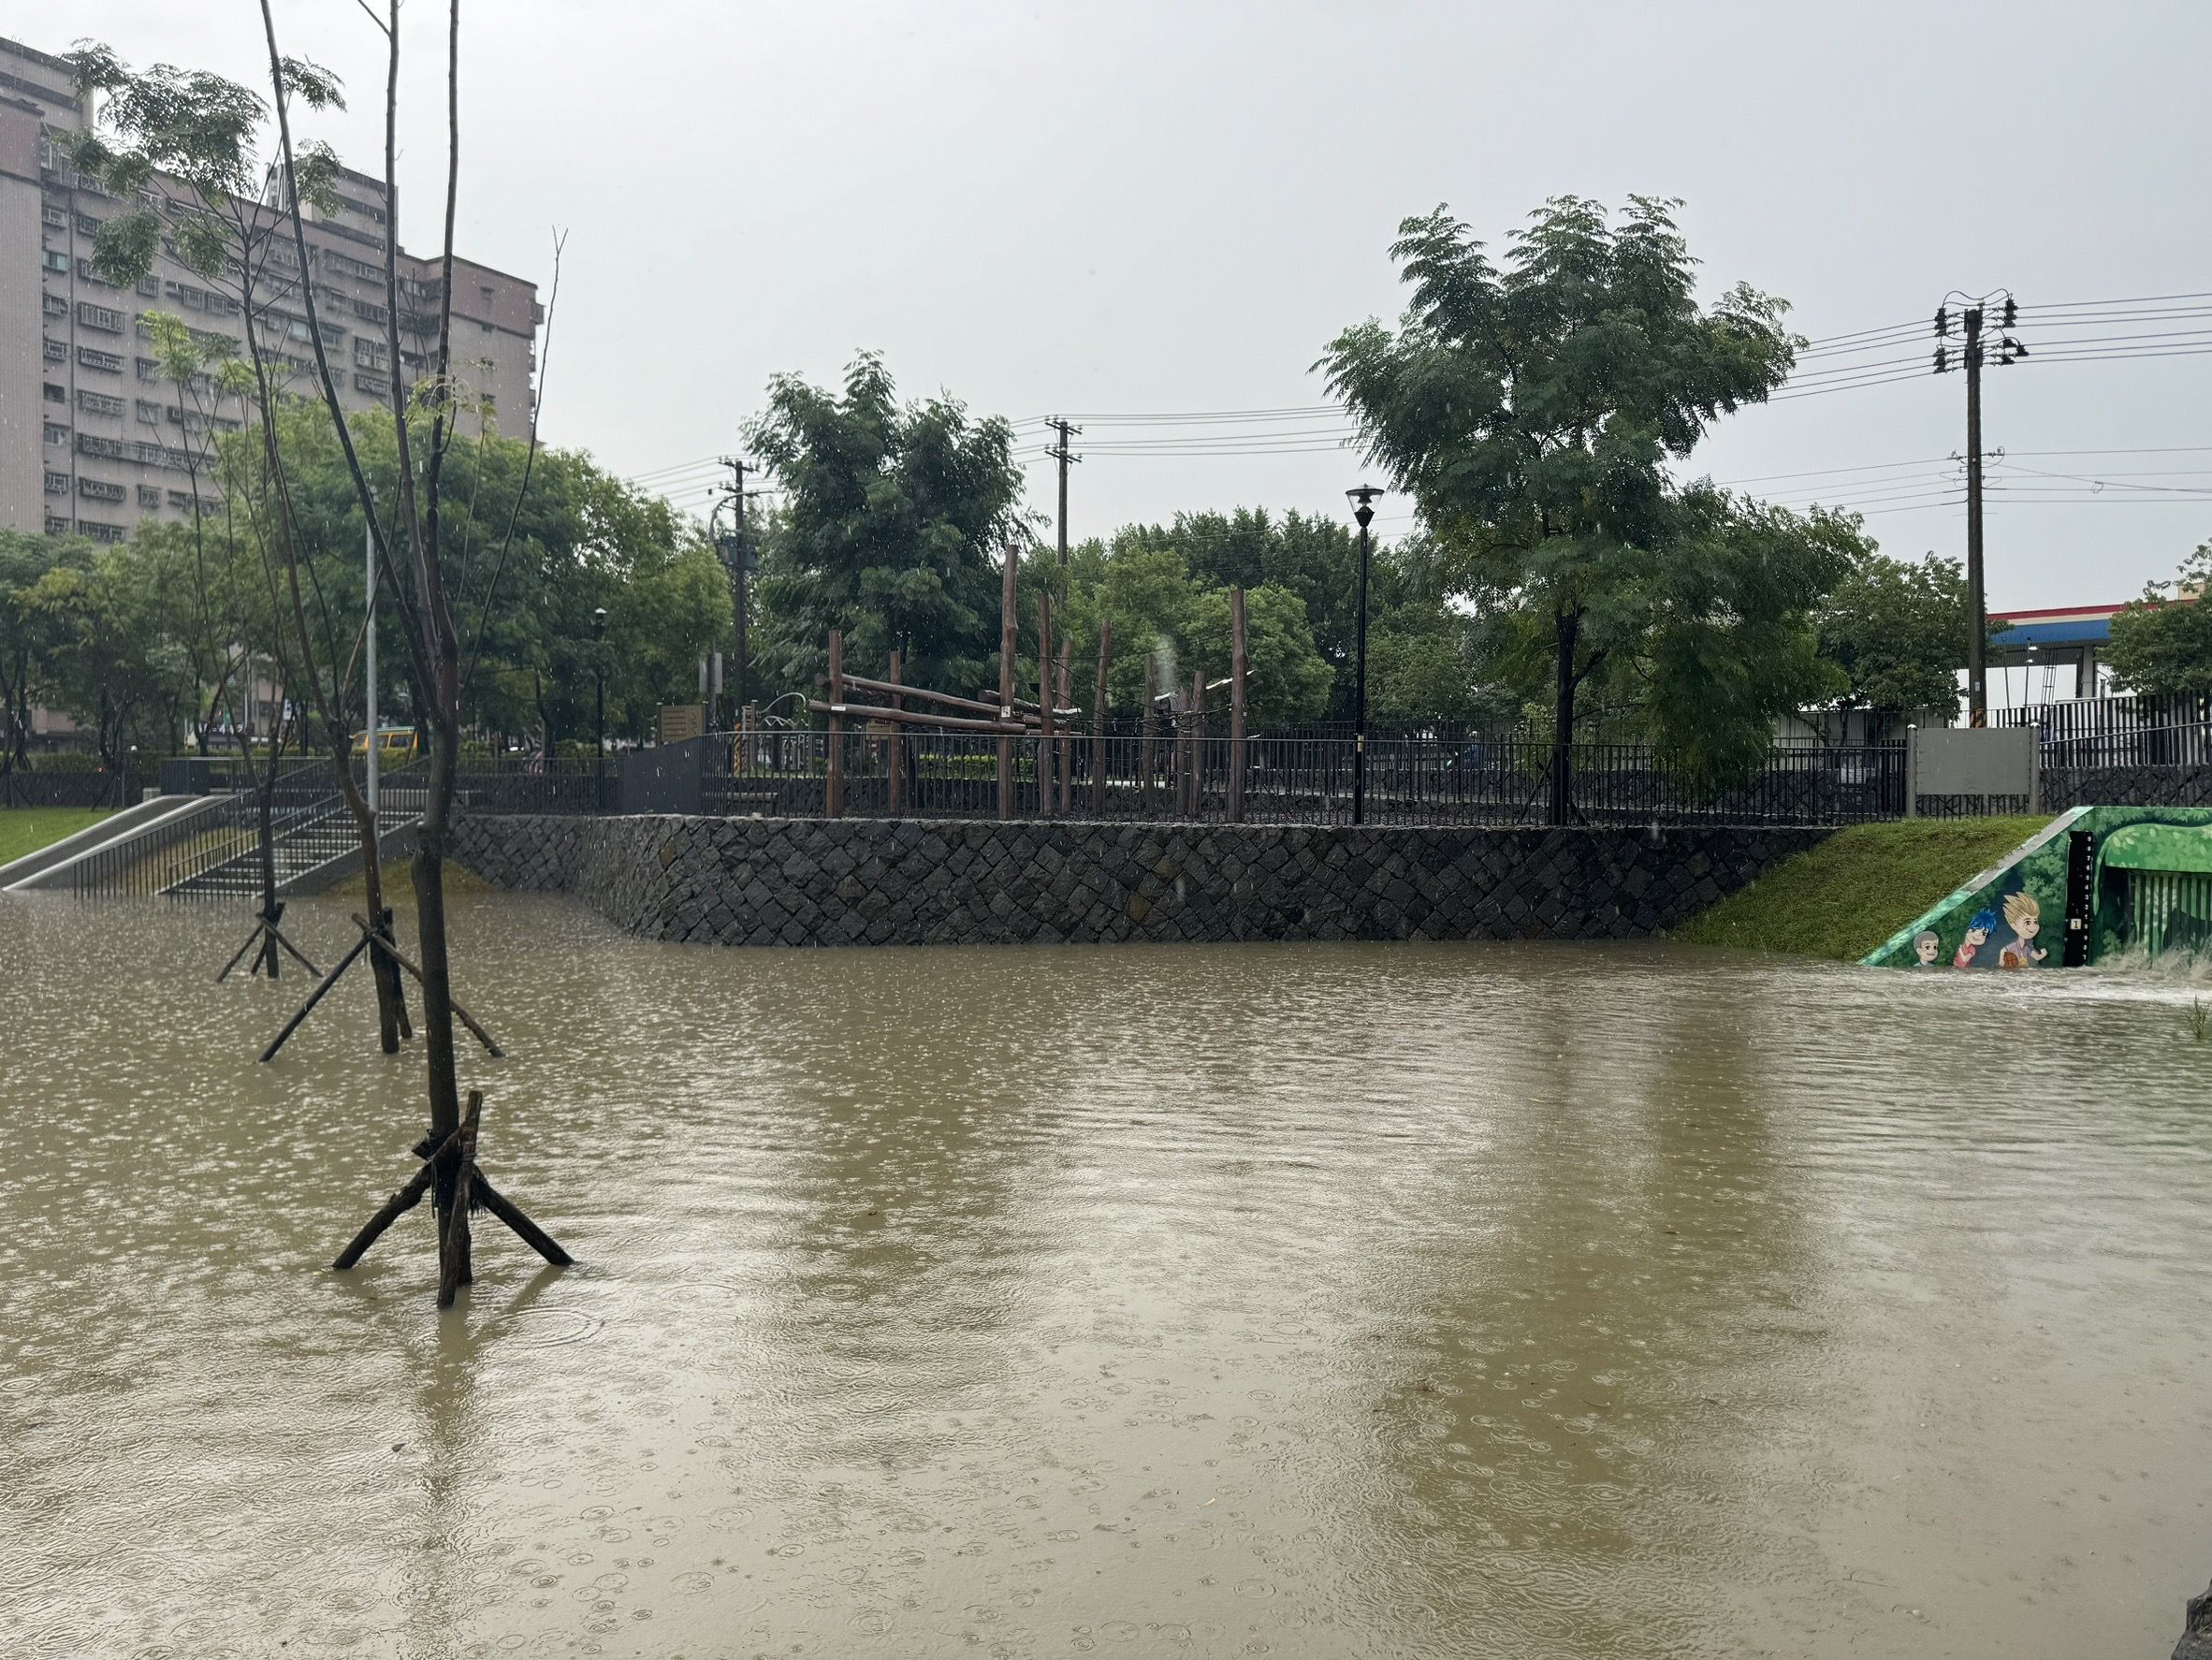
pixel 796 882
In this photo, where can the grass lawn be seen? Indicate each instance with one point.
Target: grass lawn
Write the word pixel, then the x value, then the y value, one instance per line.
pixel 26 829
pixel 1859 887
pixel 398 882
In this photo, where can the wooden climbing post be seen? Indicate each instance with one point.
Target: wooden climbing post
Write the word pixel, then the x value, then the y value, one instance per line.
pixel 1147 760
pixel 832 801
pixel 1194 745
pixel 895 747
pixel 1067 731
pixel 1007 631
pixel 1045 705
pixel 1236 706
pixel 1099 720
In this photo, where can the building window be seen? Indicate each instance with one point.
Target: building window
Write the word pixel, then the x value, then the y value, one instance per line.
pixel 99 489
pixel 54 262
pixel 149 414
pixel 148 496
pixel 56 433
pixel 53 305
pixel 57 483
pixel 56 393
pixel 56 352
pixel 149 369
pixel 107 448
pixel 105 362
pixel 104 319
pixel 370 313
pixel 87 226
pixel 85 273
pixel 102 533
pixel 148 288
pixel 53 216
pixel 371 353
pixel 98 404
pixel 56 527
pixel 375 385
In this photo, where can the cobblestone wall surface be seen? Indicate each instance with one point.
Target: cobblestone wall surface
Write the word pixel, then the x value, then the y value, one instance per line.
pixel 799 882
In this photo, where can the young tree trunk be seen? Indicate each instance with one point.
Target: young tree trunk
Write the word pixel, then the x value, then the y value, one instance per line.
pixel 1567 625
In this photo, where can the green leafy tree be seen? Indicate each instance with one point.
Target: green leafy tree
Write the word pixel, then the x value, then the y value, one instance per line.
pixel 1139 580
pixel 1897 630
pixel 1289 681
pixel 581 540
pixel 28 630
pixel 115 663
pixel 1533 407
pixel 2161 644
pixel 894 519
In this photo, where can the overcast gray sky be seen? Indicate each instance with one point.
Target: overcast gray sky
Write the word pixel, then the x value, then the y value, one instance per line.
pixel 1150 208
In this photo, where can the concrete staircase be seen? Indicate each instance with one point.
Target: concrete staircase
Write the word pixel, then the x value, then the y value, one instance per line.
pixel 313 848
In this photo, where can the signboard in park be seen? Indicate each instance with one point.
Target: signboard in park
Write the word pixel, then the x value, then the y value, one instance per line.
pixel 680 720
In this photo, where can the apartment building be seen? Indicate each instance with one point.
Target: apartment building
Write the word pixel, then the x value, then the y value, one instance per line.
pixel 92 438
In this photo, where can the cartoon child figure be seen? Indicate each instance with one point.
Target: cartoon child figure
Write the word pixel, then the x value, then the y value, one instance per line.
pixel 1927 947
pixel 1978 928
pixel 2024 917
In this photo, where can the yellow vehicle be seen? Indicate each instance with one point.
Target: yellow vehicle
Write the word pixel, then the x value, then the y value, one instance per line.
pixel 394 744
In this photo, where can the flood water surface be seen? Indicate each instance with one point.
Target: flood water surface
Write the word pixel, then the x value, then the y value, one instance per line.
pixel 1405 1300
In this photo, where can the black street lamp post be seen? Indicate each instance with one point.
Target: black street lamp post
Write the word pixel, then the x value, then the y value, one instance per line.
pixel 1362 497
pixel 599 756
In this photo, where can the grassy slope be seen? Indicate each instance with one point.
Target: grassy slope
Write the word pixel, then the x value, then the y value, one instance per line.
pixel 26 829
pixel 398 882
pixel 1859 887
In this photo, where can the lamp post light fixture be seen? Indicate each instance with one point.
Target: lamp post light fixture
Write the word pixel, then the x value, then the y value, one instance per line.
pixel 599 756
pixel 1362 498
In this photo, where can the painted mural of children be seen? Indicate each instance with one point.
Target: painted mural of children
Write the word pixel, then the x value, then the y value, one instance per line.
pixel 1978 928
pixel 1927 947
pixel 2024 917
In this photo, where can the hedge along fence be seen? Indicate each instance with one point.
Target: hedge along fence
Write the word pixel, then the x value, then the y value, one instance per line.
pixel 84 787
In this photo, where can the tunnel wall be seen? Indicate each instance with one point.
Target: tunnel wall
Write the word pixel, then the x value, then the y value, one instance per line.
pixel 801 882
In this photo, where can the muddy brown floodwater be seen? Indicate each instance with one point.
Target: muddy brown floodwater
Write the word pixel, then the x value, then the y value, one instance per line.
pixel 1312 1301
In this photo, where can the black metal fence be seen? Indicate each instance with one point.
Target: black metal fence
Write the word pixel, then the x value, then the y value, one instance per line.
pixel 72 786
pixel 1188 776
pixel 2127 730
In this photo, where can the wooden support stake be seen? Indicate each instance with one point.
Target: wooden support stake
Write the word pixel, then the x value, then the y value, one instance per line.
pixel 1044 703
pixel 1236 706
pixel 399 1204
pixel 278 934
pixel 897 745
pixel 454 1268
pixel 460 1013
pixel 313 998
pixel 1007 634
pixel 1099 720
pixel 507 1211
pixel 832 803
pixel 252 941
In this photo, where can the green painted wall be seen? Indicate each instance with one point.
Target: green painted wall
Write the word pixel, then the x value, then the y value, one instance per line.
pixel 2027 886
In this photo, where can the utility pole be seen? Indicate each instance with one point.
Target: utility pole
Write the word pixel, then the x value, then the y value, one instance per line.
pixel 736 559
pixel 2008 350
pixel 1067 458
